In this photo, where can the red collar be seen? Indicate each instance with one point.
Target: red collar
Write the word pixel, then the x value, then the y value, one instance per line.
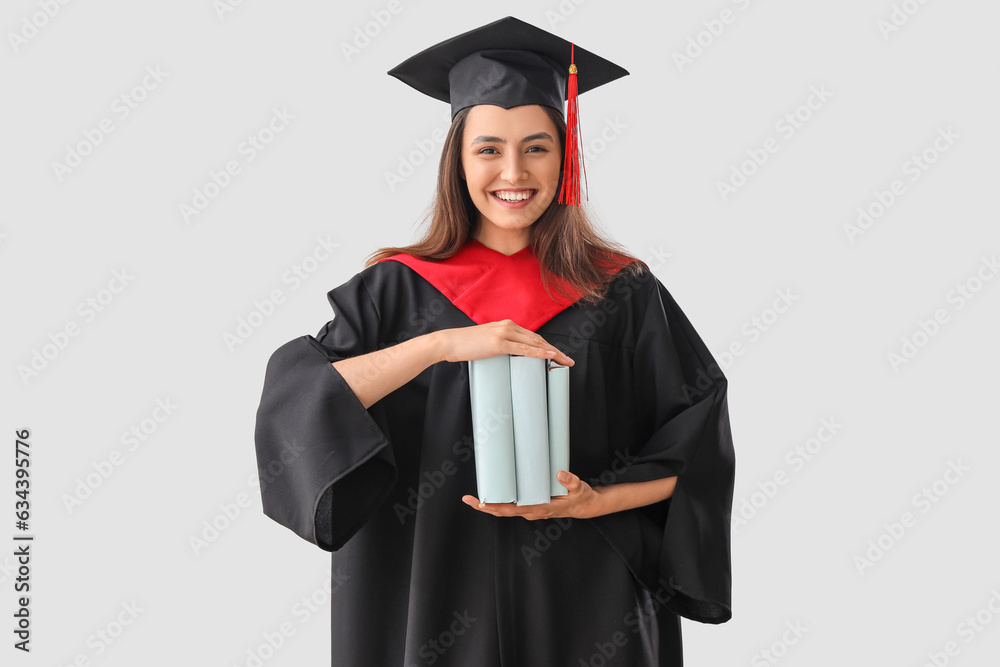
pixel 488 285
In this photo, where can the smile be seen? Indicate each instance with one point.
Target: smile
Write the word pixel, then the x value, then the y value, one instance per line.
pixel 514 198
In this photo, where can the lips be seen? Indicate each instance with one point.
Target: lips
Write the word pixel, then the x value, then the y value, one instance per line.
pixel 530 192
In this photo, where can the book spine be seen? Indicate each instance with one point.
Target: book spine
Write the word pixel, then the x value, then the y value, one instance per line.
pixel 557 390
pixel 492 428
pixel 531 432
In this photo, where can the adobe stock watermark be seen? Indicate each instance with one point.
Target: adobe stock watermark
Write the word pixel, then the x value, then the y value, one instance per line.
pixel 596 318
pixel 923 501
pixel 759 324
pixel 304 609
pixel 212 528
pixel 8 568
pixel 366 33
pixel 609 133
pixel 636 620
pixel 263 308
pixel 967 630
pixel 899 16
pixel 229 511
pixel 545 538
pixel 32 24
pixel 223 8
pixel 134 437
pixel 752 330
pixel 101 639
pixel 41 357
pixel 913 168
pixel 426 151
pixel 121 108
pixel 928 329
pixel 435 647
pixel 555 527
pixel 420 319
pixel 779 648
pixel 246 152
pixel 712 29
pixel 657 258
pixel 563 10
pixel 796 458
pixel 787 126
pixel 599 316
pixel 433 480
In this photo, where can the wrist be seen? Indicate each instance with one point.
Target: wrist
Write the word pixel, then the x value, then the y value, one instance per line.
pixel 435 346
pixel 597 505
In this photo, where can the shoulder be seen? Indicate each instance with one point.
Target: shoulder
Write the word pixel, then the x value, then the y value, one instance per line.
pixel 646 299
pixel 386 285
pixel 383 268
pixel 616 319
pixel 376 278
pixel 368 284
pixel 636 284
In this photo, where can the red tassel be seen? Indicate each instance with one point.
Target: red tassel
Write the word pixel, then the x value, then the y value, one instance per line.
pixel 569 193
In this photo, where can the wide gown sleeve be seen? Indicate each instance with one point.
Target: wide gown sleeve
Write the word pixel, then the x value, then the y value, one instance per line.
pixel 681 392
pixel 324 461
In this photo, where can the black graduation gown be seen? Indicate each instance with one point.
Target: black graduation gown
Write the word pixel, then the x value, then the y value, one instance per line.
pixel 425 579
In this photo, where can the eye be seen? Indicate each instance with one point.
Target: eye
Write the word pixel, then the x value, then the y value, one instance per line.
pixel 541 149
pixel 487 148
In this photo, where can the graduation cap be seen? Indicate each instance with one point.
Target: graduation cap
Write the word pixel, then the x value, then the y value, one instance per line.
pixel 511 63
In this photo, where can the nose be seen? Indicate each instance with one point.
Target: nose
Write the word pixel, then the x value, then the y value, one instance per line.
pixel 513 169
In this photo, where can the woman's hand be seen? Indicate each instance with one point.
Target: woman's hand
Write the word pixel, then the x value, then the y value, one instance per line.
pixel 582 502
pixel 495 338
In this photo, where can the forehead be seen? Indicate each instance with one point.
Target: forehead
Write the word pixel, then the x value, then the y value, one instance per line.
pixel 517 121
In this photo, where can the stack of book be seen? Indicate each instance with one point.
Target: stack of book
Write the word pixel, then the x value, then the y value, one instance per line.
pixel 520 422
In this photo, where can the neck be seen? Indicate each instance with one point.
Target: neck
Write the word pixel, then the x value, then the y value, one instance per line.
pixel 505 241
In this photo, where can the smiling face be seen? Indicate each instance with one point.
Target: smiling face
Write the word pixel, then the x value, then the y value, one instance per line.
pixel 510 161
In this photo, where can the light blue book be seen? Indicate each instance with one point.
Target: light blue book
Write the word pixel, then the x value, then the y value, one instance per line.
pixel 493 429
pixel 520 418
pixel 531 429
pixel 557 384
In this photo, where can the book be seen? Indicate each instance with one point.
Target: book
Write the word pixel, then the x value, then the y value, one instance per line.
pixel 520 427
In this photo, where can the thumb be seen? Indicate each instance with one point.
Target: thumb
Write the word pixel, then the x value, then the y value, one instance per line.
pixel 568 479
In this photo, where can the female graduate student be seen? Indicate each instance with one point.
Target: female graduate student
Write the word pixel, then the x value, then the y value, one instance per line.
pixel 364 434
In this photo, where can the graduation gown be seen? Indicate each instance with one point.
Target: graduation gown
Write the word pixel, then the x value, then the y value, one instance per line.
pixel 424 579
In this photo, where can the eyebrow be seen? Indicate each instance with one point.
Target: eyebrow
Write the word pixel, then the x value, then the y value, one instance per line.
pixel 483 138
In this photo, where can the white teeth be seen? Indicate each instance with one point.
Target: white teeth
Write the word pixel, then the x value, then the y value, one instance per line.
pixel 513 196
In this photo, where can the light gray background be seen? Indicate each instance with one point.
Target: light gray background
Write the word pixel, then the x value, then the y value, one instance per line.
pixel 653 185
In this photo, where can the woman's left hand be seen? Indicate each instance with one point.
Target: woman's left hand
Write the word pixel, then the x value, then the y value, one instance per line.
pixel 581 502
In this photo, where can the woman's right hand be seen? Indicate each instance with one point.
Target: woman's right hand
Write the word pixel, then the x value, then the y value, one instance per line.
pixel 494 338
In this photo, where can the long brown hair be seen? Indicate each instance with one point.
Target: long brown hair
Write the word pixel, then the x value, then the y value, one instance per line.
pixel 563 238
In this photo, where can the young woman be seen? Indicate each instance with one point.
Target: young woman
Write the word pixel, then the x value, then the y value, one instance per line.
pixel 364 433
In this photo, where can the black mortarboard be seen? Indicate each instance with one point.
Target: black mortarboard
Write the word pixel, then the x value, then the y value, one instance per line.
pixel 510 63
